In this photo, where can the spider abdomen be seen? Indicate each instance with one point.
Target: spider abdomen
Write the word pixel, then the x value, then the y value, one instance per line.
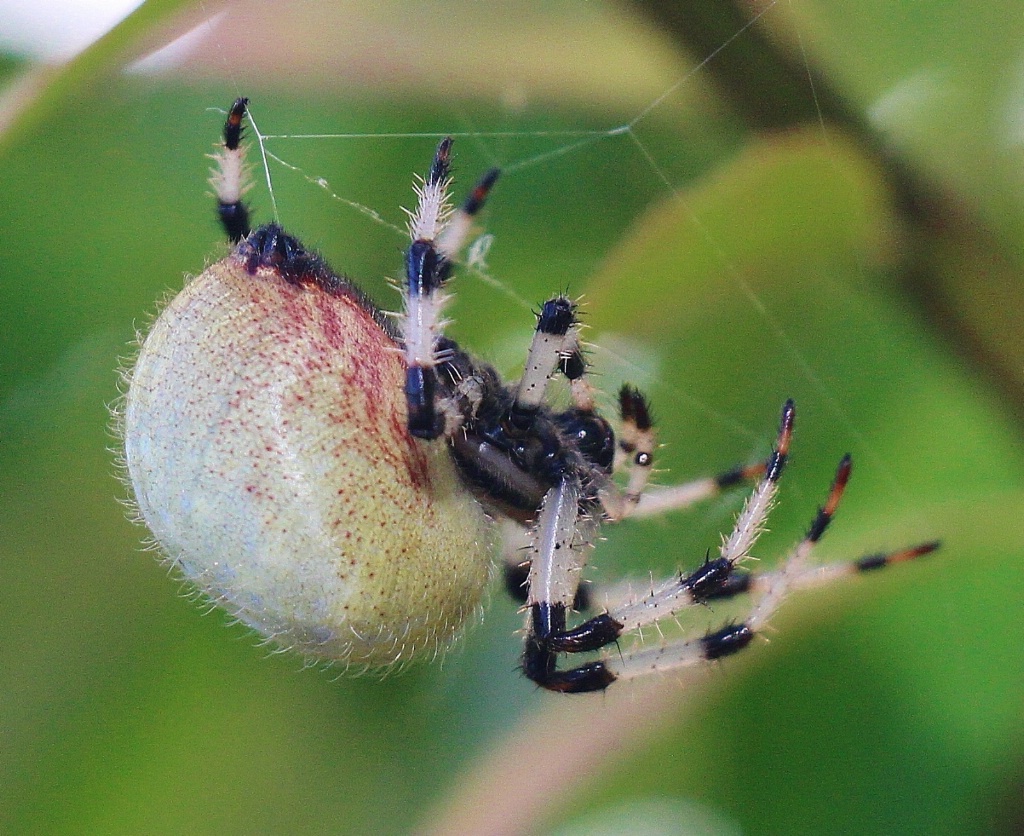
pixel 267 446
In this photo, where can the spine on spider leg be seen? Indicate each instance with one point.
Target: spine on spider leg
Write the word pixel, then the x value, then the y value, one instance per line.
pixel 230 176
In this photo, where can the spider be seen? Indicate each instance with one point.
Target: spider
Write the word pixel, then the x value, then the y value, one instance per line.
pixel 335 477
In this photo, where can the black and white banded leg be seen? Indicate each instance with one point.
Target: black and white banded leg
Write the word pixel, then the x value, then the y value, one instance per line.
pixel 555 348
pixel 771 589
pixel 716 579
pixel 438 232
pixel 565 531
pixel 552 587
pixel 635 455
pixel 230 176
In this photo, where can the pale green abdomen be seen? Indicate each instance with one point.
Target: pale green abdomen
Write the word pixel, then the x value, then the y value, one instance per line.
pixel 265 441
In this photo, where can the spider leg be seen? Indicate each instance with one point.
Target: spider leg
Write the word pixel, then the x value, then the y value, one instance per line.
pixel 565 531
pixel 671 596
pixel 230 176
pixel 515 562
pixel 758 583
pixel 453 237
pixel 774 587
pixel 437 232
pixel 426 270
pixel 635 453
pixel 661 499
pixel 555 338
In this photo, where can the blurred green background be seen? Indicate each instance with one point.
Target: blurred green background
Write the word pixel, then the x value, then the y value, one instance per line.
pixel 725 269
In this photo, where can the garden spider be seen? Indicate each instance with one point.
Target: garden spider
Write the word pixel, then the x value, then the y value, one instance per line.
pixel 333 479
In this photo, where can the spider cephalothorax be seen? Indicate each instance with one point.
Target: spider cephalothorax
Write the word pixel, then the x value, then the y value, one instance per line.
pixel 334 479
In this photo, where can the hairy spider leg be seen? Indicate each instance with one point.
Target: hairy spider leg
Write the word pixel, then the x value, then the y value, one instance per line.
pixel 426 270
pixel 760 583
pixel 662 499
pixel 549 637
pixel 773 587
pixel 654 501
pixel 554 337
pixel 635 454
pixel 437 231
pixel 564 532
pixel 230 177
pixel 556 347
